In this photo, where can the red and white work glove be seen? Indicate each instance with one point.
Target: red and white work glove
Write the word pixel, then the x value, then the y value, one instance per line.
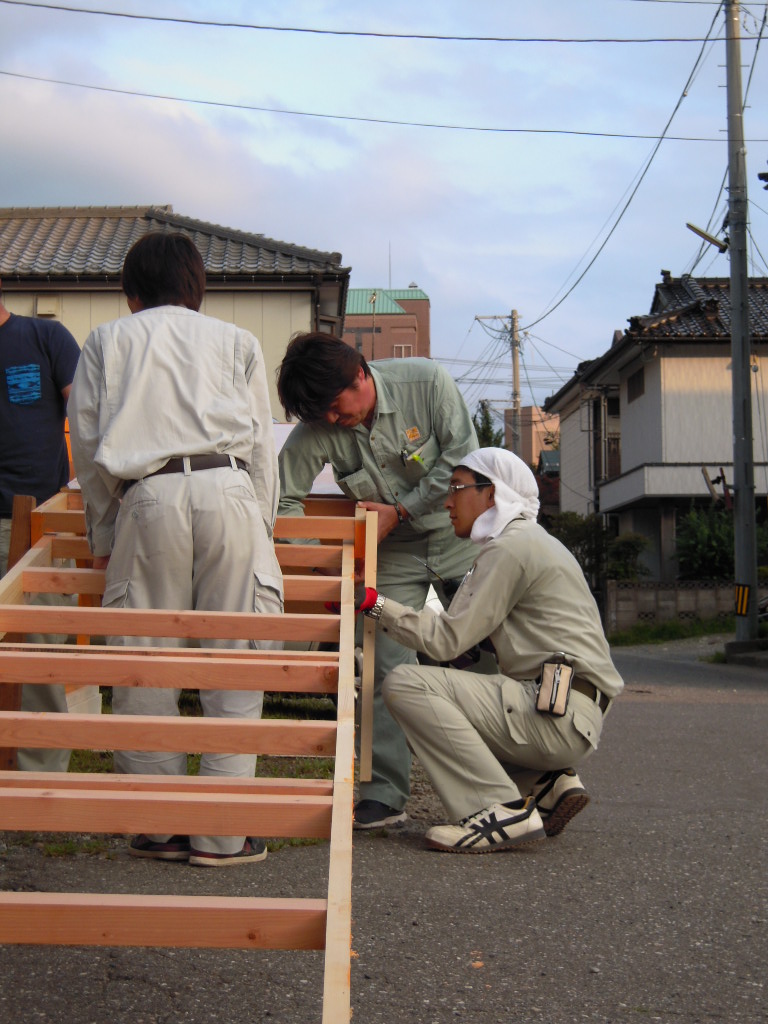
pixel 365 598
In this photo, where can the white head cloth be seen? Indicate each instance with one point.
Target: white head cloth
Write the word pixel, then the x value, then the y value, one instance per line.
pixel 516 493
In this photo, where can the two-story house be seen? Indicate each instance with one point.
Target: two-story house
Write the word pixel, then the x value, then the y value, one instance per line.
pixel 639 424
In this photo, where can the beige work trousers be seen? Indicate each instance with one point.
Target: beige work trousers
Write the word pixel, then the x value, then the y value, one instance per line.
pixel 194 541
pixel 480 738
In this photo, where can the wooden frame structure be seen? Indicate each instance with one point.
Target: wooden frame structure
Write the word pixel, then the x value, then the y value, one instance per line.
pixel 273 807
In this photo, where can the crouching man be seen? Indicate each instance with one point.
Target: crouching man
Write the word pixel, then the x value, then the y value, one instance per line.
pixel 500 749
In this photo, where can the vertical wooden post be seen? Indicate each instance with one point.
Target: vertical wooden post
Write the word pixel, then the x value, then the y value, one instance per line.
pixel 10 693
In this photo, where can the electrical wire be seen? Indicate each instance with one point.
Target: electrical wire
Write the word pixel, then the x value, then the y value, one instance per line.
pixel 423 36
pixel 255 108
pixel 704 246
pixel 626 206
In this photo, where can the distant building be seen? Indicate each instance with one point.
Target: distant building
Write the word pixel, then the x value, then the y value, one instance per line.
pixel 640 424
pixel 537 430
pixel 387 323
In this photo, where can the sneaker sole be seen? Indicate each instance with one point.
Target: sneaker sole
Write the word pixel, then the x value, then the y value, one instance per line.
pixel 569 805
pixel 510 844
pixel 155 855
pixel 395 819
pixel 200 861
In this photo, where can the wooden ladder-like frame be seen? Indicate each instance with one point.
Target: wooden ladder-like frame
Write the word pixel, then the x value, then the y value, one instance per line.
pixel 270 808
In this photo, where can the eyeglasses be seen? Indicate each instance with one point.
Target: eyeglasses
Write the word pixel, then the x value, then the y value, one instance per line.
pixel 453 488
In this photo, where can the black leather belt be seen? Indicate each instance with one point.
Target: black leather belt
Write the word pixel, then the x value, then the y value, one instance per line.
pixel 591 691
pixel 195 462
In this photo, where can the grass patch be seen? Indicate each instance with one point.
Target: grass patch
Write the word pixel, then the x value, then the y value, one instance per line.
pixel 69 847
pixel 91 761
pixel 675 629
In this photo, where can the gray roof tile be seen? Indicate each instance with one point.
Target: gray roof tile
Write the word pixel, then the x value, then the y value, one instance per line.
pixel 91 242
pixel 695 309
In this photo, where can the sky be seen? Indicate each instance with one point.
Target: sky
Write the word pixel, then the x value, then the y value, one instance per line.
pixel 520 171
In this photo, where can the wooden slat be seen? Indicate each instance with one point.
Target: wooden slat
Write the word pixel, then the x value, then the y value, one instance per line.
pixel 329 505
pixel 193 922
pixel 70 546
pixel 43 580
pixel 19 543
pixel 369 645
pixel 324 556
pixel 319 527
pixel 189 654
pixel 58 522
pixel 183 813
pixel 338 937
pixel 99 667
pixel 300 738
pixel 191 625
pixel 167 783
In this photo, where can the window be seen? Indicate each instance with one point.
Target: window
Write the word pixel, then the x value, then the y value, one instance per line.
pixel 402 351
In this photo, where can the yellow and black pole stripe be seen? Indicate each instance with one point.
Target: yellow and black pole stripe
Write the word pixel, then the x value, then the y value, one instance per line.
pixel 742 598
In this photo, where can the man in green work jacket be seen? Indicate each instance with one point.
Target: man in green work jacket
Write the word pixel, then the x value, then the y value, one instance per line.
pixel 392 431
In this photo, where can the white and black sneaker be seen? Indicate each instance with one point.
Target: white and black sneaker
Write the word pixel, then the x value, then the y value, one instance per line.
pixel 559 797
pixel 499 827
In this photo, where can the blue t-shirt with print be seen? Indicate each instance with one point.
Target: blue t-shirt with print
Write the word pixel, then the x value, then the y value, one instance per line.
pixel 38 359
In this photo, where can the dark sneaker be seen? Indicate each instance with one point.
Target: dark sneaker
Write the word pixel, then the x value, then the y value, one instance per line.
pixel 499 827
pixel 559 797
pixel 177 848
pixel 253 850
pixel 374 814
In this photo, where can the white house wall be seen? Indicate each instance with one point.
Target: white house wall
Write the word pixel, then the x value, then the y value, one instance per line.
pixel 641 420
pixel 697 408
pixel 272 316
pixel 575 461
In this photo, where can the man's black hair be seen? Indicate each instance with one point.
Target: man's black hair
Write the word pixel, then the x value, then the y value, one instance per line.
pixel 316 368
pixel 164 268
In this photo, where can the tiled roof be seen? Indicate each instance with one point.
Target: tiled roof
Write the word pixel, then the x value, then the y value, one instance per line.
pixel 684 309
pixel 688 307
pixel 91 242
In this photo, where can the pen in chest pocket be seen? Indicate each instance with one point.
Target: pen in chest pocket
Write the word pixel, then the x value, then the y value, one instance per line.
pixel 413 456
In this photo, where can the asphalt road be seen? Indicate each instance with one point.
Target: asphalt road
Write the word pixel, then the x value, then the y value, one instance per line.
pixel 651 906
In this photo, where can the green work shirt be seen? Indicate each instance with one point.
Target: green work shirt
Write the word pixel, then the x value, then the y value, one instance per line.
pixel 421 430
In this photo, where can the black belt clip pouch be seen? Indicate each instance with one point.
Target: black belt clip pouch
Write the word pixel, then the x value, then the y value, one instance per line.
pixel 554 685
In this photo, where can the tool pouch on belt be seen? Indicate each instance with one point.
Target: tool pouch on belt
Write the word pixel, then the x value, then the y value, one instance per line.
pixel 554 685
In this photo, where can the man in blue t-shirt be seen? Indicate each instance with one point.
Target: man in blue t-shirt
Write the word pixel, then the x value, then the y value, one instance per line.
pixel 37 364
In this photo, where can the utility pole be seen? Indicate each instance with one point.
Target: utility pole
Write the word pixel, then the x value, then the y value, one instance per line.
pixel 514 341
pixel 514 344
pixel 745 538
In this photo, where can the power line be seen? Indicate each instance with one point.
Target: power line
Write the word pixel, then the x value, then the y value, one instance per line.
pixel 635 189
pixel 358 33
pixel 254 108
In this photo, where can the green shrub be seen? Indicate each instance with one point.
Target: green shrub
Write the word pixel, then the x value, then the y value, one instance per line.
pixel 705 544
pixel 623 557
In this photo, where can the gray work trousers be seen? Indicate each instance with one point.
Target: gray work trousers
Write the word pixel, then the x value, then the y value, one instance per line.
pixel 480 738
pixel 194 541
